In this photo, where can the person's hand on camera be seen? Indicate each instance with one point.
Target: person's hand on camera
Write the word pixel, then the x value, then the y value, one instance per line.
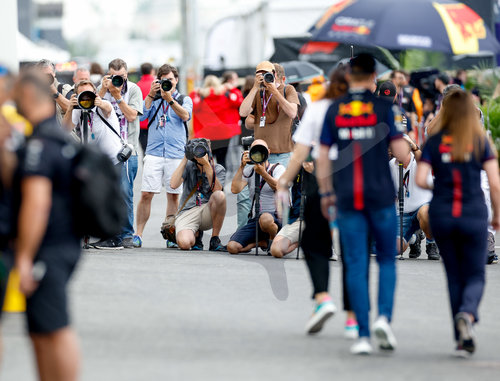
pixel 73 102
pixel 155 87
pixel 260 169
pixel 203 161
pixel 98 101
pixel 106 82
pixel 270 87
pixel 326 203
pixel 259 79
pixel 167 95
pixel 116 92
pixel 244 159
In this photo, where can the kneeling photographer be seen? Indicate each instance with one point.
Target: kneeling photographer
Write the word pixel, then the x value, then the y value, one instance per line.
pixel 268 224
pixel 203 202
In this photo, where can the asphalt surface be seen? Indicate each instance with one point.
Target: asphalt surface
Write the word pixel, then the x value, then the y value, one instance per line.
pixel 162 314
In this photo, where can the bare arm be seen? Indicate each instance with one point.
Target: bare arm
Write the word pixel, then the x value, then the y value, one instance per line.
pixel 423 170
pixel 399 149
pixel 68 116
pixel 209 173
pixel 261 170
pixel 289 108
pixel 176 179
pixel 238 182
pixel 180 111
pixel 250 122
pixel 324 170
pixel 246 105
pixel 491 168
pixel 104 106
pixel 299 155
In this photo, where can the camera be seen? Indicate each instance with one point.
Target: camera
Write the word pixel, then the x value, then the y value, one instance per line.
pixel 125 153
pixel 197 148
pixel 117 80
pixel 86 100
pixel 246 142
pixel 258 154
pixel 269 77
pixel 166 84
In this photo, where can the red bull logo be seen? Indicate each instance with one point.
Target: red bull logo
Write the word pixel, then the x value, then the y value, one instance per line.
pixel 463 25
pixel 355 108
pixel 334 9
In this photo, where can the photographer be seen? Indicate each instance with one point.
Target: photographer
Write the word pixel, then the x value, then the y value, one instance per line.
pixel 167 111
pixel 203 203
pixel 99 132
pixel 244 238
pixel 126 99
pixel 270 112
pixel 58 90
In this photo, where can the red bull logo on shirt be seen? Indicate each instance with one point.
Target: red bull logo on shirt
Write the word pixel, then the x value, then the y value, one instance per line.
pixel 356 120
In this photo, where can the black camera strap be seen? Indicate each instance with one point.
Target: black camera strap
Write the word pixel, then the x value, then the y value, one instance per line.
pixel 109 125
pixel 151 120
pixel 262 183
pixel 180 99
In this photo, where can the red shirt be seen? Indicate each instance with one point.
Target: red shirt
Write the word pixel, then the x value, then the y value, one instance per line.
pixel 145 85
pixel 214 117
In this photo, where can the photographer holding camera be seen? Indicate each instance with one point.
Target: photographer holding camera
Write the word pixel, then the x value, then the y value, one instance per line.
pixel 244 238
pixel 270 110
pixel 126 99
pixel 203 204
pixel 167 111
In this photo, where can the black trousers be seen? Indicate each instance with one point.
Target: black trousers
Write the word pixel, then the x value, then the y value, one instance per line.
pixel 317 244
pixel 143 140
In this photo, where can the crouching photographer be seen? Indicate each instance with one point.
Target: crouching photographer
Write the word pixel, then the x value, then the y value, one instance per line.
pixel 263 198
pixel 203 202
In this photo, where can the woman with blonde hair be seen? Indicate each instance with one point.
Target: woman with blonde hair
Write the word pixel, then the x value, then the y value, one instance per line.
pixel 210 116
pixel 457 151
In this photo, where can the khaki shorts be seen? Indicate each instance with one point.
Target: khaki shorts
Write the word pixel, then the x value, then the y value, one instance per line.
pixel 291 231
pixel 196 218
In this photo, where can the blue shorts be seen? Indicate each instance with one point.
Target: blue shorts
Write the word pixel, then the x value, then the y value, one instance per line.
pixel 410 224
pixel 246 234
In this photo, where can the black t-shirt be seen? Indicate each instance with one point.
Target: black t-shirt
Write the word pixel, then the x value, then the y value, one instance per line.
pixel 44 155
pixel 362 126
pixel 407 103
pixel 457 185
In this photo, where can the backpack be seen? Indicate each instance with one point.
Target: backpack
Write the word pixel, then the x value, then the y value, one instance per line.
pixel 99 208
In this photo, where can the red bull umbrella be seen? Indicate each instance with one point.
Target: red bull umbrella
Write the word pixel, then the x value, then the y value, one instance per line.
pixel 439 25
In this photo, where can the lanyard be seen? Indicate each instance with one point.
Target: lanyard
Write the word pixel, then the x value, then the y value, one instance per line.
pixel 165 109
pixel 265 103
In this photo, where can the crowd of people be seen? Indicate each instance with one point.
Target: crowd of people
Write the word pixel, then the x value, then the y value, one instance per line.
pixel 307 168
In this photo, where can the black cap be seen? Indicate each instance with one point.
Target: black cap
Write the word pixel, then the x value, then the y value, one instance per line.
pixel 363 63
pixel 387 90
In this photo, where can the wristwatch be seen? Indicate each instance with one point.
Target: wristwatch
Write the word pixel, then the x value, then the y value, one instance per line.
pixel 171 103
pixel 56 95
pixel 119 100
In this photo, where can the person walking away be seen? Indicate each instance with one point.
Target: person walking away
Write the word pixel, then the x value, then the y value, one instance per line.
pixel 47 248
pixel 147 78
pixel 362 127
pixel 456 153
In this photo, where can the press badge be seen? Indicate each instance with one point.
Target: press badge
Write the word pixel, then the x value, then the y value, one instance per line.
pixel 262 121
pixel 162 121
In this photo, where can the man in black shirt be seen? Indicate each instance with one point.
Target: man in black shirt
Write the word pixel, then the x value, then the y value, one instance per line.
pixel 47 248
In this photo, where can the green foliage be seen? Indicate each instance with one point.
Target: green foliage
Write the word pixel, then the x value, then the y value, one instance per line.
pixel 417 59
pixel 491 111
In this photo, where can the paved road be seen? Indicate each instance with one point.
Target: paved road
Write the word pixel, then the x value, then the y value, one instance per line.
pixel 158 314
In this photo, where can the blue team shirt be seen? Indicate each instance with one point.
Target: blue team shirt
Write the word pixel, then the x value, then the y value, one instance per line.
pixel 362 126
pixel 457 185
pixel 167 141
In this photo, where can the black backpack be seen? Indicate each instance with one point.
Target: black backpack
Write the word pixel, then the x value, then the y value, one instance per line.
pixel 99 207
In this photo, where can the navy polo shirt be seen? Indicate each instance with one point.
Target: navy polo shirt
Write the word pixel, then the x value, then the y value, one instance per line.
pixel 362 126
pixel 457 185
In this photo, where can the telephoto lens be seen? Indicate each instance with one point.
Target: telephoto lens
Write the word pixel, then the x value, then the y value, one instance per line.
pixel 117 80
pixel 166 85
pixel 269 77
pixel 200 150
pixel 258 154
pixel 86 100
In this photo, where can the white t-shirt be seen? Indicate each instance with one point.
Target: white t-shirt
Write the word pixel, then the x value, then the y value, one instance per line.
pixel 415 196
pixel 99 133
pixel 267 203
pixel 310 127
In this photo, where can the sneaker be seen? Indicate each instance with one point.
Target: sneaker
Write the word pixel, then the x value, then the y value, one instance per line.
pixel 128 243
pixel 216 245
pixel 351 329
pixel 335 256
pixel 492 259
pixel 198 244
pixel 171 245
pixel 463 325
pixel 383 334
pixel 322 312
pixel 415 248
pixel 108 244
pixel 137 241
pixel 460 352
pixel 432 251
pixel 362 346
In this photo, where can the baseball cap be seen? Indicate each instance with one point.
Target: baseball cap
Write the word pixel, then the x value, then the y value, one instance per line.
pixel 265 66
pixel 387 90
pixel 363 63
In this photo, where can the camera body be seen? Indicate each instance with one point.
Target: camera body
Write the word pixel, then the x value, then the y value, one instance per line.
pixel 125 152
pixel 117 80
pixel 197 148
pixel 246 142
pixel 258 154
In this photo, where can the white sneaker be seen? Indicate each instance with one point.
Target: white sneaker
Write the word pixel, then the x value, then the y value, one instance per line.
pixel 362 346
pixel 322 312
pixel 335 256
pixel 383 334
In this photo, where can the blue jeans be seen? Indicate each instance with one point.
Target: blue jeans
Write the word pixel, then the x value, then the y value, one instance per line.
pixel 354 227
pixel 282 158
pixel 129 172
pixel 410 224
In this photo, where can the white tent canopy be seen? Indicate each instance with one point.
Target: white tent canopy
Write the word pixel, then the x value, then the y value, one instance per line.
pixel 29 51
